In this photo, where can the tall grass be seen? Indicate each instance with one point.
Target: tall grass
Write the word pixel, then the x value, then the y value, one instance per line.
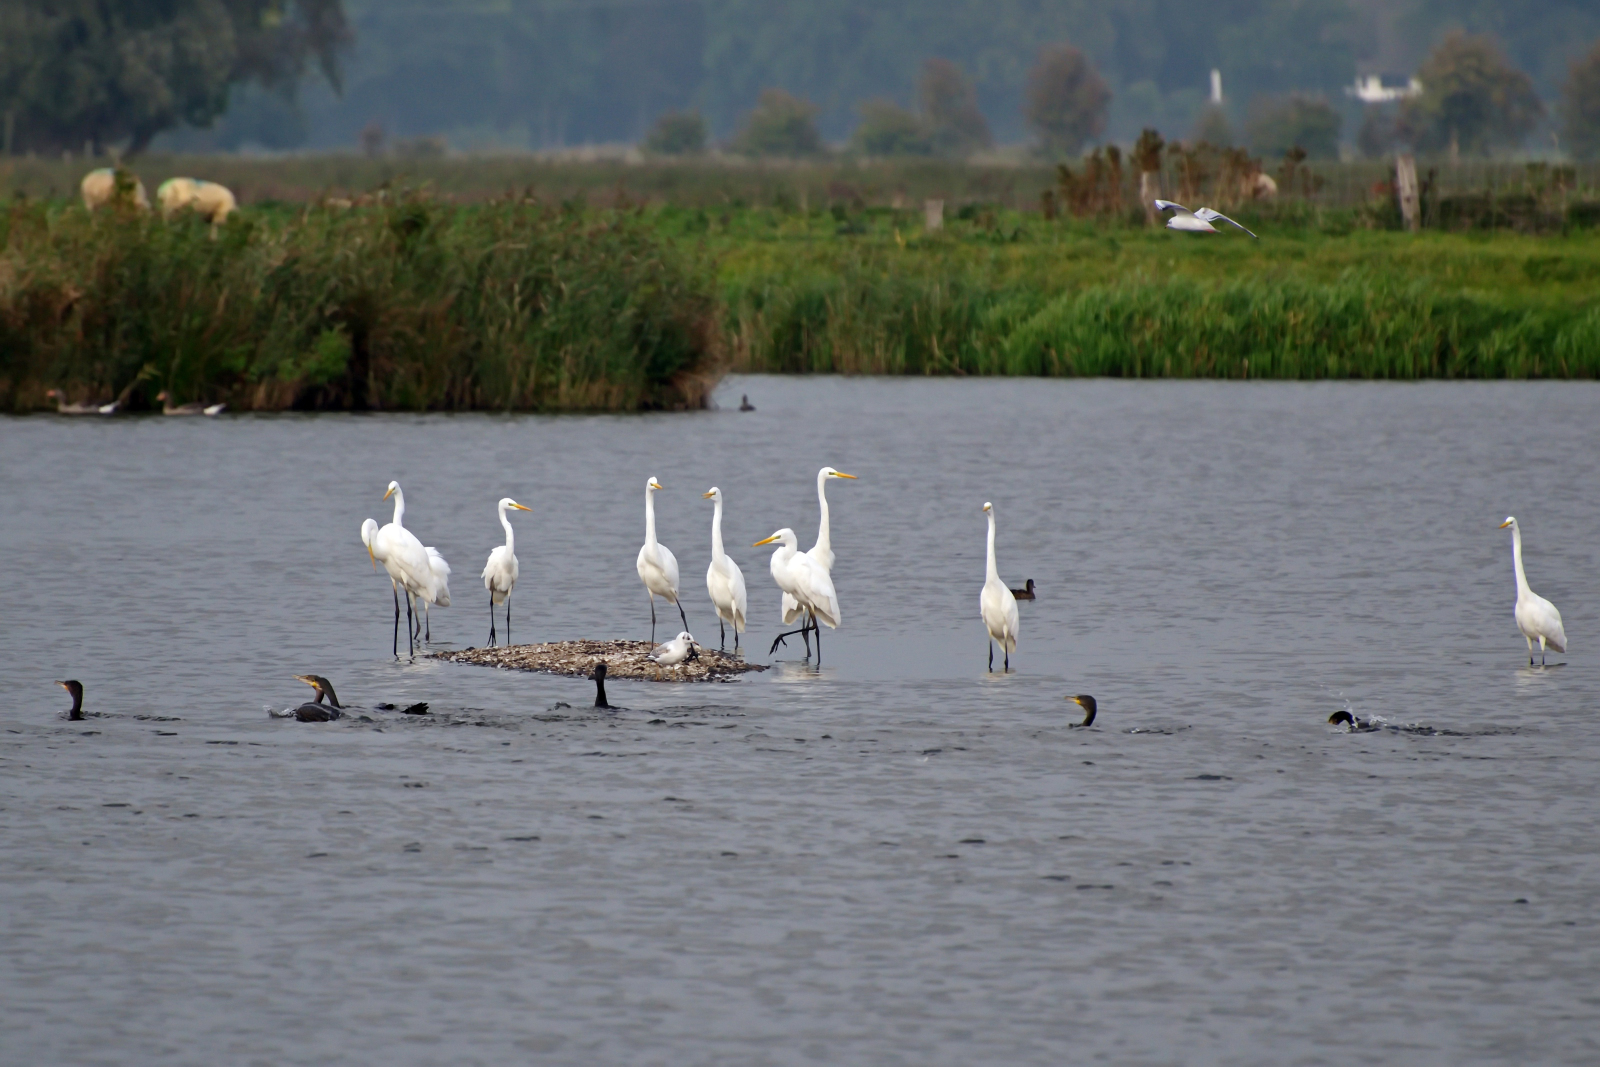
pixel 412 305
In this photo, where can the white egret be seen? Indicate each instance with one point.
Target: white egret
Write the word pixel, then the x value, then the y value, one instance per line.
pixel 821 553
pixel 999 607
pixel 724 579
pixel 403 557
pixel 657 566
pixel 1536 616
pixel 437 590
pixel 500 573
pixel 674 652
pixel 804 579
pixel 1196 221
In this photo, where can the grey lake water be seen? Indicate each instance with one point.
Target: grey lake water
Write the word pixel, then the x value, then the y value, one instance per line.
pixel 895 858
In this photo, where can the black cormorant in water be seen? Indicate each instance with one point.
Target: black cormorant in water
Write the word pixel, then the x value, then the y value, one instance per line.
pixel 1343 717
pixel 1086 702
pixel 599 677
pixel 744 403
pixel 75 687
pixel 315 710
pixel 1025 593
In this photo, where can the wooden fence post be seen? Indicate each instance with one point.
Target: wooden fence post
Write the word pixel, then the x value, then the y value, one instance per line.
pixel 932 215
pixel 1405 188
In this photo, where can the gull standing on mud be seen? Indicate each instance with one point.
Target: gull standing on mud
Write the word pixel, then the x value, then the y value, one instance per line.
pixel 1196 221
pixel 1536 616
pixel 674 652
pixel 657 566
pixel 998 605
pixel 724 580
pixel 500 573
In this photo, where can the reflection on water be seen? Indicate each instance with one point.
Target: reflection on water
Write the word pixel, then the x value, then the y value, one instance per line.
pixel 898 857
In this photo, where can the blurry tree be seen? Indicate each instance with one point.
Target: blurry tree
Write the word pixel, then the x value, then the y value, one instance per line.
pixel 780 125
pixel 677 133
pixel 1580 106
pixel 1472 99
pixel 76 72
pixel 1378 134
pixel 1213 128
pixel 887 129
pixel 1066 98
pixel 950 110
pixel 1277 124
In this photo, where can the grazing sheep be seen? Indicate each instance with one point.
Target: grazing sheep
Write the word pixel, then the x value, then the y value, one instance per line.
pixel 174 194
pixel 99 188
pixel 214 202
pixel 1261 187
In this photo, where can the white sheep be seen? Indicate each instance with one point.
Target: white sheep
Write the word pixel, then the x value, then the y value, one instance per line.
pixel 99 188
pixel 214 202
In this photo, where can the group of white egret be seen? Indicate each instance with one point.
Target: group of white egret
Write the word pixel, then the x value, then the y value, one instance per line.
pixel 804 578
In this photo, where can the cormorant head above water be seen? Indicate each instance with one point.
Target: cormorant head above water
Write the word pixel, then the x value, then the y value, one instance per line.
pixel 323 687
pixel 599 677
pixel 75 687
pixel 1086 702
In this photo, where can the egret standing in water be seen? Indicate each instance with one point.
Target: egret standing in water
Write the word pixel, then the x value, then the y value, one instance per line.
pixel 402 556
pixel 500 573
pixel 657 566
pixel 803 579
pixel 1536 616
pixel 822 554
pixel 724 580
pixel 999 607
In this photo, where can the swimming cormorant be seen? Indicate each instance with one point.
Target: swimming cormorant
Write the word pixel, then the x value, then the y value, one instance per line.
pixel 1086 702
pixel 75 687
pixel 599 677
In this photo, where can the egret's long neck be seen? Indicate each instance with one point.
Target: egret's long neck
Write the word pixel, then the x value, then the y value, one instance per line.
pixel 1516 559
pixel 994 571
pixel 716 532
pixel 823 542
pixel 399 507
pixel 511 538
pixel 650 517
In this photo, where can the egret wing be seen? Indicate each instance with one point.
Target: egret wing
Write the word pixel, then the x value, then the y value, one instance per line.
pixel 1207 214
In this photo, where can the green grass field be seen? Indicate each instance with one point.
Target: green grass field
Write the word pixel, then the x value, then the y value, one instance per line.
pixel 413 301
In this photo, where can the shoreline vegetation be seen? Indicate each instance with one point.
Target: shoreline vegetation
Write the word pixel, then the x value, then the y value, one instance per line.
pixel 409 298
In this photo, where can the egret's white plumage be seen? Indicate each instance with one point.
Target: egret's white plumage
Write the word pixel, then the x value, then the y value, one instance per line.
pixel 724 579
pixel 1536 617
pixel 438 588
pixel 500 573
pixel 1196 221
pixel 402 556
pixel 999 607
pixel 673 652
pixel 803 578
pixel 657 566
pixel 822 551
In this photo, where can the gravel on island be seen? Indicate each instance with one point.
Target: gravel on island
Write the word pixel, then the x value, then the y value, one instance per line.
pixel 623 659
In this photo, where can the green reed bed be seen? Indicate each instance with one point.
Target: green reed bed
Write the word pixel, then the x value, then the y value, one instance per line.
pixel 411 305
pixel 1012 295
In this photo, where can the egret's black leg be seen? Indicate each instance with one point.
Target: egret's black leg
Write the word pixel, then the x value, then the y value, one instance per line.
pixel 396 591
pixel 722 636
pixel 508 622
pixel 427 613
pixel 652 618
pixel 1008 658
pixel 818 631
pixel 411 648
pixel 991 655
pixel 682 616
pixel 491 621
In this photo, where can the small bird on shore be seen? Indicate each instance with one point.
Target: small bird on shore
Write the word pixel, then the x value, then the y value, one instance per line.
pixel 75 687
pixel 1025 593
pixel 599 677
pixel 744 403
pixel 674 652
pixel 196 408
pixel 1535 616
pixel 1196 221
pixel 1086 702
pixel 500 573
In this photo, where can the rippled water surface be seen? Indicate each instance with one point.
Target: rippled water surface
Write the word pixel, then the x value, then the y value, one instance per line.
pixel 898 859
